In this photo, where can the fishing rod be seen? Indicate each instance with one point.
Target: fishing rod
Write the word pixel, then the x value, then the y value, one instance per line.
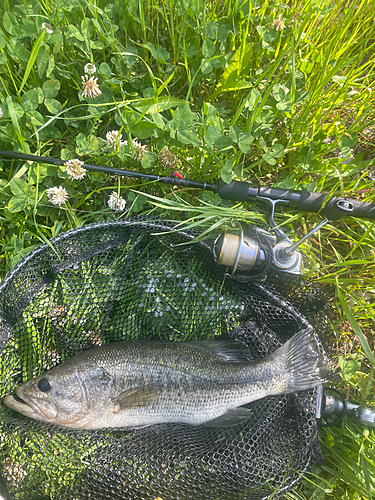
pixel 333 208
pixel 247 252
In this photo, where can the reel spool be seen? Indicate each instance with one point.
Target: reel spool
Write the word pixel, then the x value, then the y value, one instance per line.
pixel 239 252
pixel 252 252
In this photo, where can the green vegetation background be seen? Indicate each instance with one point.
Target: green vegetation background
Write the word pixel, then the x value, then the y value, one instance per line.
pixel 277 93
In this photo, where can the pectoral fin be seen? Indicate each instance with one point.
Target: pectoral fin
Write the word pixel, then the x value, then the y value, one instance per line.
pixel 229 418
pixel 135 397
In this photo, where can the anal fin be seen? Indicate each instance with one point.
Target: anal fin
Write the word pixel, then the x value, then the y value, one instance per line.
pixel 229 418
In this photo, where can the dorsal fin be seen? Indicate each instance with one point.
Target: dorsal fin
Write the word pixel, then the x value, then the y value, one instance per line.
pixel 231 350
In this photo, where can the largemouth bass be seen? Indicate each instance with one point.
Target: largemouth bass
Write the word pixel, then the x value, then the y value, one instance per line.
pixel 141 383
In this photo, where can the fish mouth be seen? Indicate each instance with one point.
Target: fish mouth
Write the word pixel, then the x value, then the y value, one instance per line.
pixel 25 405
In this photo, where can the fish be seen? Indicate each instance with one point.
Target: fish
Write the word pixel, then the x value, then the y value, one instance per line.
pixel 139 383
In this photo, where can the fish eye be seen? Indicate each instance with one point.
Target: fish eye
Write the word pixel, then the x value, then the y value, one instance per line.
pixel 44 385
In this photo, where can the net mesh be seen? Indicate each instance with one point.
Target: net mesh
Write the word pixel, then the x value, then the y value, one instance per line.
pixel 138 279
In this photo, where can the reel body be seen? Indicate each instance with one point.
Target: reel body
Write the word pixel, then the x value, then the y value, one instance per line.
pixel 251 253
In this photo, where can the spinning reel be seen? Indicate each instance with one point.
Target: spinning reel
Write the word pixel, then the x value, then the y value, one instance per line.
pixel 249 253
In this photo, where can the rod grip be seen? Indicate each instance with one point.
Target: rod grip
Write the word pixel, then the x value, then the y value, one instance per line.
pixel 336 207
pixel 234 191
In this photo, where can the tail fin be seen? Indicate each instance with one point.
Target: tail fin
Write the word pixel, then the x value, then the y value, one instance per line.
pixel 305 362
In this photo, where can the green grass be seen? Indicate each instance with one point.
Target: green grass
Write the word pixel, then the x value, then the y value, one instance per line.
pixel 231 97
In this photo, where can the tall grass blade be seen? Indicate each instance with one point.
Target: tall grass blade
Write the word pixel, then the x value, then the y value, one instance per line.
pixel 357 329
pixel 367 476
pixel 33 56
pixel 13 117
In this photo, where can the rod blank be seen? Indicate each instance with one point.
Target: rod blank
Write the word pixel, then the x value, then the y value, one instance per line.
pixel 333 209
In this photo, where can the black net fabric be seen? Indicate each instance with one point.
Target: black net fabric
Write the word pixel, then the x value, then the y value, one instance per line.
pixel 139 279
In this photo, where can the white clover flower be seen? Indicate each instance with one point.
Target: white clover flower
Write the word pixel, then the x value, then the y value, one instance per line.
pixel 48 28
pixel 113 139
pixel 90 69
pixel 116 202
pixel 74 169
pixel 57 195
pixel 139 150
pixel 1 112
pixel 278 24
pixel 90 87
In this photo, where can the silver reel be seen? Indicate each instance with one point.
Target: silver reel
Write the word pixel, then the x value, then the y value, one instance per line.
pixel 251 252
